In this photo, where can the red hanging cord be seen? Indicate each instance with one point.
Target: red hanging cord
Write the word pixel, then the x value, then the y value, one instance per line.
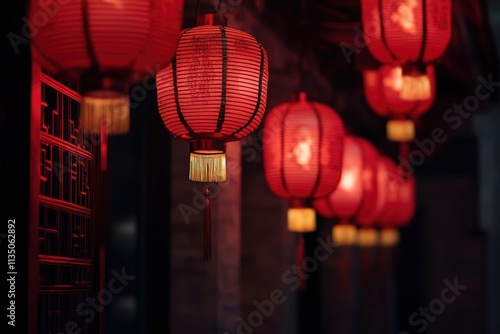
pixel 207 229
pixel 300 254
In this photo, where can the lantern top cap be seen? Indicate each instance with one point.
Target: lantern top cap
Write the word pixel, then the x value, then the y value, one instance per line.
pixel 299 97
pixel 414 69
pixel 211 20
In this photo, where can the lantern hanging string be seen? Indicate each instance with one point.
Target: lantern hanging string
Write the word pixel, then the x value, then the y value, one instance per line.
pixel 207 228
pixel 196 12
pixel 302 44
pixel 300 255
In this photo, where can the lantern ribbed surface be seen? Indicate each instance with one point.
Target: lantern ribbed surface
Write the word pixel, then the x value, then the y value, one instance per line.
pixel 116 38
pixel 383 88
pixel 392 180
pixel 303 149
pixel 216 86
pixel 105 46
pixel 213 92
pixel 407 30
pixel 403 210
pixel 346 199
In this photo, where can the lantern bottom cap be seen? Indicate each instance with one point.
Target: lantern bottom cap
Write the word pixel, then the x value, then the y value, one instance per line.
pixel 344 234
pixel 416 87
pixel 110 107
pixel 389 237
pixel 207 167
pixel 400 130
pixel 368 237
pixel 301 220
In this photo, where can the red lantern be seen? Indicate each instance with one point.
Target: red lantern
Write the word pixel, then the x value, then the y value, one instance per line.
pixel 355 194
pixel 215 91
pixel 383 87
pixel 303 152
pixel 402 209
pixel 399 207
pixel 407 31
pixel 346 199
pixel 105 46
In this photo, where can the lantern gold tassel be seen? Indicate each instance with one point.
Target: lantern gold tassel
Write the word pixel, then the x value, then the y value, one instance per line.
pixel 113 108
pixel 416 87
pixel 207 229
pixel 207 167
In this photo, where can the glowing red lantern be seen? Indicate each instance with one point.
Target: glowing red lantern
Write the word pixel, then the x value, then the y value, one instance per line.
pixel 410 33
pixel 303 153
pixel 345 200
pixel 355 194
pixel 401 209
pixel 357 187
pixel 213 92
pixel 383 87
pixel 405 31
pixel 400 203
pixel 106 46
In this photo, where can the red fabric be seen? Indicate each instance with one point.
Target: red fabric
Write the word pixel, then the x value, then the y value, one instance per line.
pixel 367 211
pixel 198 79
pixel 357 185
pixel 383 86
pixel 399 200
pixel 129 38
pixel 394 29
pixel 303 149
pixel 403 208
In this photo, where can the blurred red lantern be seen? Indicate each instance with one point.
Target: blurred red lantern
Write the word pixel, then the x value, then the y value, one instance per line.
pixel 355 195
pixel 106 46
pixel 346 199
pixel 303 153
pixel 409 33
pixel 400 203
pixel 213 92
pixel 382 88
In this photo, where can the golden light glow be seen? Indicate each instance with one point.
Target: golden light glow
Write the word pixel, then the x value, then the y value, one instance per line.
pixel 348 180
pixel 368 237
pixel 415 87
pixel 394 80
pixel 301 219
pixel 303 152
pixel 400 130
pixel 405 16
pixel 344 234
pixel 389 237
